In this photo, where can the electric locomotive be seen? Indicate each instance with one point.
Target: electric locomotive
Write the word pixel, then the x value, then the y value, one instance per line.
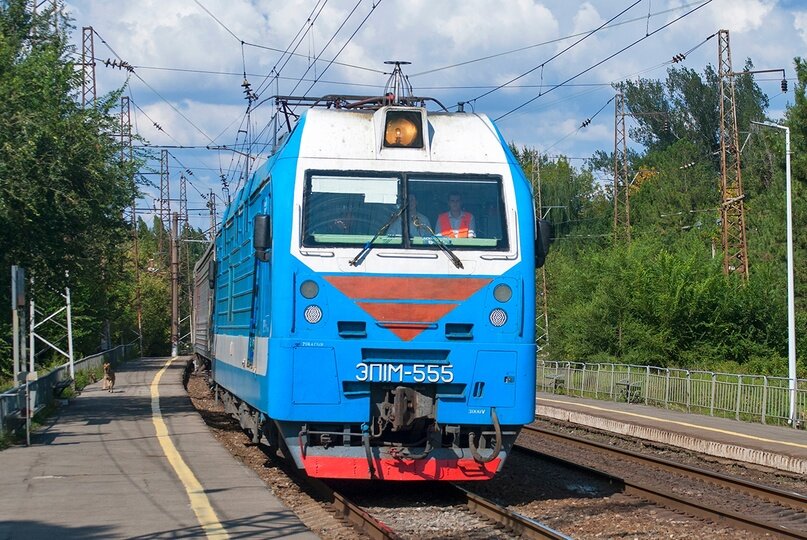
pixel 353 324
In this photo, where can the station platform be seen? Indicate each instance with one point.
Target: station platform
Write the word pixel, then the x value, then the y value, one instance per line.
pixel 776 447
pixel 135 463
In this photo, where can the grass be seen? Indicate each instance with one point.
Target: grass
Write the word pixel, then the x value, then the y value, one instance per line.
pixel 86 377
pixel 8 439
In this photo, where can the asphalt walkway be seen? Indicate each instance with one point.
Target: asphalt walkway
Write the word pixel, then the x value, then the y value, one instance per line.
pixel 135 463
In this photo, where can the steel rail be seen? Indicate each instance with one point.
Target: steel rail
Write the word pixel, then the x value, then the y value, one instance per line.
pixel 521 525
pixel 351 512
pixel 671 500
pixel 779 496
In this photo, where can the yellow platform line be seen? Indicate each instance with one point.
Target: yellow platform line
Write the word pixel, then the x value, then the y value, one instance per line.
pixel 199 502
pixel 664 420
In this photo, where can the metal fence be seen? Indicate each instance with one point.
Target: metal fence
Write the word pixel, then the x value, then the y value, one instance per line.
pixel 752 398
pixel 12 403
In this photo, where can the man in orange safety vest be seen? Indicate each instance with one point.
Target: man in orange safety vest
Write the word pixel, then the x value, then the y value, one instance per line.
pixel 456 223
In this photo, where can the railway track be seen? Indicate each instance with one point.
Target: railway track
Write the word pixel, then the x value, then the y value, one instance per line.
pixel 374 528
pixel 785 517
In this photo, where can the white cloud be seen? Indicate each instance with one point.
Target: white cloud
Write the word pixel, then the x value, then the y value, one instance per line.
pixel 800 24
pixel 431 34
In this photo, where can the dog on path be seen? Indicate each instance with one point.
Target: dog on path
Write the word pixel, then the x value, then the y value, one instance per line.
pixel 109 377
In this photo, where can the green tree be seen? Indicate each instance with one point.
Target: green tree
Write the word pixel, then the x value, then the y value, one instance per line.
pixel 63 188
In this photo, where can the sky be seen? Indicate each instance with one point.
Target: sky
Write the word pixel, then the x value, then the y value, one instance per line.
pixel 538 68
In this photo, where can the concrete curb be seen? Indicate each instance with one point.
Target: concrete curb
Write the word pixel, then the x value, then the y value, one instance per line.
pixel 712 448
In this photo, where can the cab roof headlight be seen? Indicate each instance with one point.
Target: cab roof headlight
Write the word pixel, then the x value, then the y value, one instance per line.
pixel 309 289
pixel 403 129
pixel 502 293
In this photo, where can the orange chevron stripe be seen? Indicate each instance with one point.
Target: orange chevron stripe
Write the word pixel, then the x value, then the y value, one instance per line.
pixel 407 288
pixel 425 313
pixel 406 313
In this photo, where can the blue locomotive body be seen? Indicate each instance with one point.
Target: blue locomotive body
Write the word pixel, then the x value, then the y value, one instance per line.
pixel 359 321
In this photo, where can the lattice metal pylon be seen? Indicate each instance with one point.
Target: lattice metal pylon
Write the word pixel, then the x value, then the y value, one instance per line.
pixel 183 200
pixel 165 198
pixel 52 9
pixel 126 157
pixel 125 129
pixel 211 204
pixel 88 93
pixel 732 208
pixel 621 192
pixel 542 339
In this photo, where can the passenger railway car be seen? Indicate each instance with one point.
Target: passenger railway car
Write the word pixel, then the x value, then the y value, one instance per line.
pixel 352 331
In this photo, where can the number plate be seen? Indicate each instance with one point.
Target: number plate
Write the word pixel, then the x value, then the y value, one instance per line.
pixel 396 373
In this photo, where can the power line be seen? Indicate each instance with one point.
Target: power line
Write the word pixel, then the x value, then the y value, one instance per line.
pixel 198 3
pixel 545 62
pixel 585 123
pixel 197 128
pixel 620 51
pixel 549 42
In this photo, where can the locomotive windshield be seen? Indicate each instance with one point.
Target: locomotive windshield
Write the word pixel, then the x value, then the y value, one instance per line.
pixel 462 211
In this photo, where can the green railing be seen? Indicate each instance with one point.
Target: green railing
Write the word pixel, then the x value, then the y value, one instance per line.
pixel 751 398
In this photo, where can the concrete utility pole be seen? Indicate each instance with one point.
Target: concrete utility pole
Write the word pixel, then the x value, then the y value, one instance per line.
pixel 175 285
pixel 621 193
pixel 69 307
pixel 791 294
pixel 88 93
pixel 31 334
pixel 18 329
pixel 732 208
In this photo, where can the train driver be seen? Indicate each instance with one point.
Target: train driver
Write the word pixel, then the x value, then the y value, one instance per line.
pixel 419 224
pixel 456 223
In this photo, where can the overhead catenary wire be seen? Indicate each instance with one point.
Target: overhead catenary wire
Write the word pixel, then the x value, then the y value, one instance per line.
pixel 277 68
pixel 240 144
pixel 612 83
pixel 274 116
pixel 344 22
pixel 374 4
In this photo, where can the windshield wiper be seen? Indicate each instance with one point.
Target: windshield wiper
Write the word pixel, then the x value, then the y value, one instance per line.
pixel 442 245
pixel 355 261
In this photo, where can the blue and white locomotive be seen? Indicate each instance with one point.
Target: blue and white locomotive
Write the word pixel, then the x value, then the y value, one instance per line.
pixel 358 321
